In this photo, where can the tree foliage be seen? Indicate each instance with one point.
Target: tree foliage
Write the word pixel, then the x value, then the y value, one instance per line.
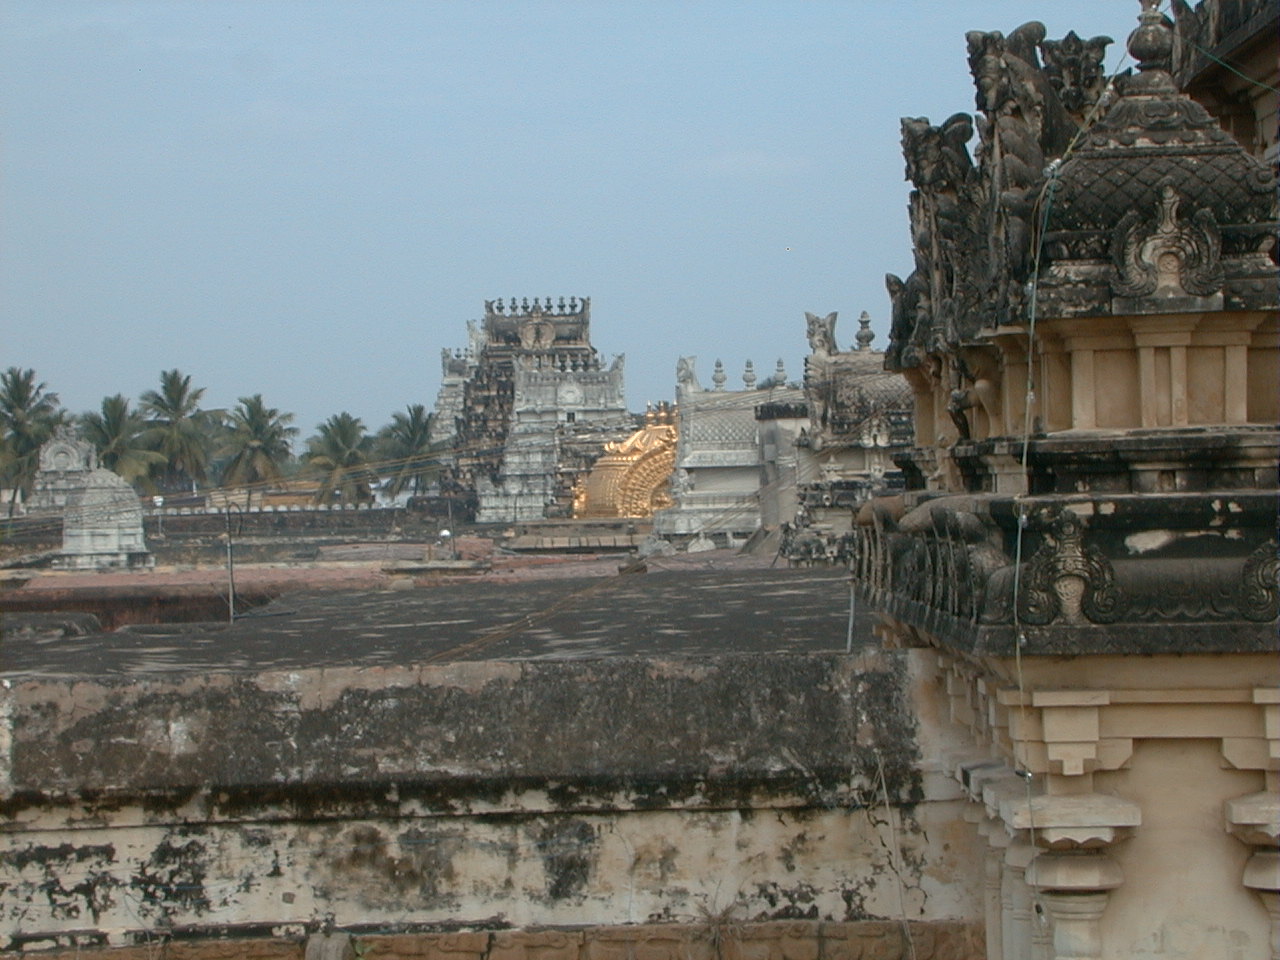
pixel 339 453
pixel 407 456
pixel 179 430
pixel 29 413
pixel 258 442
pixel 117 434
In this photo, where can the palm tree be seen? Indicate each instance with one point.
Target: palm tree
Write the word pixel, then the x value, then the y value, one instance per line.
pixel 117 434
pixel 259 443
pixel 339 453
pixel 409 457
pixel 178 429
pixel 29 413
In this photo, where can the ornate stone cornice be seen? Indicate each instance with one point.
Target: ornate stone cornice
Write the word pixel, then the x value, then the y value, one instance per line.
pixel 1131 573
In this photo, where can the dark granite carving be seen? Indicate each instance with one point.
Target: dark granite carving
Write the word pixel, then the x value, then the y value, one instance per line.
pixel 1259 596
pixel 1074 69
pixel 1154 181
pixel 1175 572
pixel 1167 254
pixel 1068 577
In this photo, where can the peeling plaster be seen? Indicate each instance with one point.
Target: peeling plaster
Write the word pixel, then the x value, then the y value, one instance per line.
pixel 1148 540
pixel 515 793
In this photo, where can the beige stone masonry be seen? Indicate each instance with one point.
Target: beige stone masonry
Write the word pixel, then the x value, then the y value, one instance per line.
pixel 1059 832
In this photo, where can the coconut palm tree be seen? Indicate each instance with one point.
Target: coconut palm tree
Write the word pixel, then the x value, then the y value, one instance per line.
pixel 178 429
pixel 405 451
pixel 117 434
pixel 339 453
pixel 259 443
pixel 29 413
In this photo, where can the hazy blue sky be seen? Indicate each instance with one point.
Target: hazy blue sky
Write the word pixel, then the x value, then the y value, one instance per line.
pixel 310 199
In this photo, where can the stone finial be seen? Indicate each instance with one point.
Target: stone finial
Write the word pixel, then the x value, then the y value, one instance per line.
pixel 865 334
pixel 780 374
pixel 1152 46
pixel 718 377
pixel 749 376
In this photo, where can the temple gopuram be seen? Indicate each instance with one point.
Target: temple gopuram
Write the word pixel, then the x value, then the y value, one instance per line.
pixel 529 407
pixel 1084 564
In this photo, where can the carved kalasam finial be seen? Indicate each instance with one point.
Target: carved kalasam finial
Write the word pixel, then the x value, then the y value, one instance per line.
pixel 749 376
pixel 718 377
pixel 865 334
pixel 780 374
pixel 1152 46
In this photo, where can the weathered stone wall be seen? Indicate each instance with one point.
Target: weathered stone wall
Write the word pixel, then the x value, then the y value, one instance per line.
pixel 476 795
pixel 177 537
pixel 718 937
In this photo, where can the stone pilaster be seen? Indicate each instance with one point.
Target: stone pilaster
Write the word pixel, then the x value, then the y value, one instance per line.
pixel 1074 889
pixel 1255 820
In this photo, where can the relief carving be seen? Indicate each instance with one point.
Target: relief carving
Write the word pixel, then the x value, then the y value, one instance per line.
pixel 1067 578
pixel 821 332
pixel 1259 593
pixel 1166 255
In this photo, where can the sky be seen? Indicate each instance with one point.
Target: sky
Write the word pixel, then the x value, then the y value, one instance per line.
pixel 308 199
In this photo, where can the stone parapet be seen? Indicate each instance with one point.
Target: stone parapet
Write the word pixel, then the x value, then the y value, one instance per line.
pixel 474 720
pixel 485 794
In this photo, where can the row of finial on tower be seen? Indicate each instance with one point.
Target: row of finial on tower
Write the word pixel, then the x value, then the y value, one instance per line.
pixel 526 307
pixel 749 381
pixel 564 363
pixel 661 413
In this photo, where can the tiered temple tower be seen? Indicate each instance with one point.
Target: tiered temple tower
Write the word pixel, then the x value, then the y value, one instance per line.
pixel 534 407
pixel 1085 566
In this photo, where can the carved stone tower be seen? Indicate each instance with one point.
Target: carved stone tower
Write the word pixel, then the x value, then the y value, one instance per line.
pixel 534 408
pixel 1086 560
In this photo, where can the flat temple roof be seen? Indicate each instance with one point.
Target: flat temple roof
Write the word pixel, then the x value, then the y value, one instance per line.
pixel 681 607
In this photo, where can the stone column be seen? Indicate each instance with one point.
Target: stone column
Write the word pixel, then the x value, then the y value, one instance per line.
pixel 994 870
pixel 1019 911
pixel 1073 875
pixel 1074 888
